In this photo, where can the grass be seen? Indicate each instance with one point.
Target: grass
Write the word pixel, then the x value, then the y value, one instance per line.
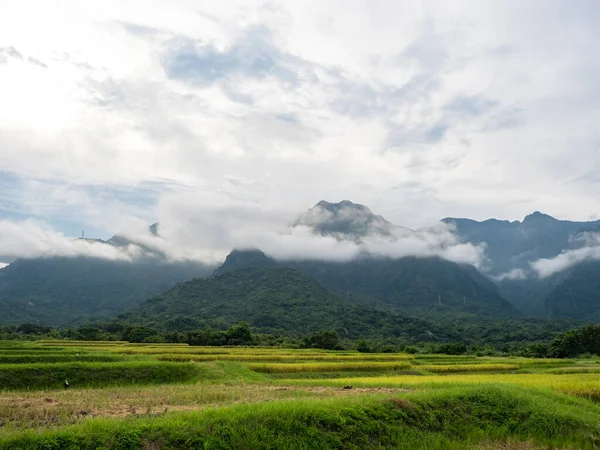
pixel 279 357
pixel 465 368
pixel 57 358
pixel 582 385
pixel 457 418
pixel 329 367
pixel 36 409
pixel 53 376
pixel 165 396
pixel 576 369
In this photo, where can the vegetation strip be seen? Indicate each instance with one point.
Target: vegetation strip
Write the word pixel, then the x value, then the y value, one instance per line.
pixel 452 419
pixel 328 367
pixel 53 376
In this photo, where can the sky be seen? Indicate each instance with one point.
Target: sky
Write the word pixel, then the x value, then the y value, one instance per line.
pixel 116 114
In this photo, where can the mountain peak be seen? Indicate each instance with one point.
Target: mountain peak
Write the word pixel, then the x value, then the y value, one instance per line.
pixel 537 216
pixel 344 204
pixel 344 220
pixel 242 259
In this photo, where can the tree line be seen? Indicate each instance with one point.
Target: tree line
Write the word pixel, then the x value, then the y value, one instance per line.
pixel 569 344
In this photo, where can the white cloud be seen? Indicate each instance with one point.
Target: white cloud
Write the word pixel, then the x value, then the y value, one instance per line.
pixel 549 266
pixel 514 274
pixel 434 109
pixel 191 227
pixel 31 239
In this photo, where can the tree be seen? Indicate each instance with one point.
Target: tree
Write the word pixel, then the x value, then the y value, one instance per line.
pixel 327 340
pixel 576 342
pixel 536 350
pixel 32 328
pixel 453 348
pixel 363 346
pixel 239 334
pixel 138 334
pixel 88 334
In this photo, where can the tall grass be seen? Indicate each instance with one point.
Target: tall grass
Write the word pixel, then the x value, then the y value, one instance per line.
pixel 581 385
pixel 275 358
pixel 330 367
pixel 35 350
pixel 458 418
pixel 463 368
pixel 57 358
pixel 53 376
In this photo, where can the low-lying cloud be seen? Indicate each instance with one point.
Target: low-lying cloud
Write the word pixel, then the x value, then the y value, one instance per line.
pixel 191 231
pixel 549 266
pixel 33 239
pixel 514 274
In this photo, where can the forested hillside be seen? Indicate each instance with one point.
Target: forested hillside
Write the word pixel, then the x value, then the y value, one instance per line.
pixel 61 291
pixel 427 287
pixel 272 300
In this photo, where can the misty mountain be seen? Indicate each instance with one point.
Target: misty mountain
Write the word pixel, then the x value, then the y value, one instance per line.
pixel 514 245
pixel 272 300
pixel 577 295
pixel 60 291
pixel 511 247
pixel 119 240
pixel 423 287
pixel 345 220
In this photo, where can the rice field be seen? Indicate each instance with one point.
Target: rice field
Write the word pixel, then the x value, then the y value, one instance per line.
pixel 54 392
pixel 330 367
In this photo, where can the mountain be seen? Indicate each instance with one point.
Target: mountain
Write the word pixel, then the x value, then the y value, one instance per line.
pixel 577 295
pixel 427 287
pixel 513 245
pixel 119 240
pixel 60 291
pixel 272 300
pixel 345 221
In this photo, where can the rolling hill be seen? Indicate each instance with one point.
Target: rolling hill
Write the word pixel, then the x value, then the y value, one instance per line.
pixel 272 300
pixel 423 287
pixel 62 291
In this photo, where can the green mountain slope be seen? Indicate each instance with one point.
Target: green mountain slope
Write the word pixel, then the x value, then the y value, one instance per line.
pixel 271 300
pixel 578 295
pixel 513 245
pixel 60 291
pixel 424 287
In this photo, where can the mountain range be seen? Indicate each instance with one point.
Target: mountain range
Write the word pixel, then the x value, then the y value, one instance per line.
pixel 274 300
pixel 388 287
pixel 512 249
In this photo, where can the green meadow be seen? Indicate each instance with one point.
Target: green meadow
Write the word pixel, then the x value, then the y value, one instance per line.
pixel 162 396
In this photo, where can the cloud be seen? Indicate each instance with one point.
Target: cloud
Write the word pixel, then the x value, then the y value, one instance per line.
pixel 431 110
pixel 546 267
pixel 31 239
pixel 514 274
pixel 253 55
pixel 472 106
pixel 11 52
pixel 192 228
